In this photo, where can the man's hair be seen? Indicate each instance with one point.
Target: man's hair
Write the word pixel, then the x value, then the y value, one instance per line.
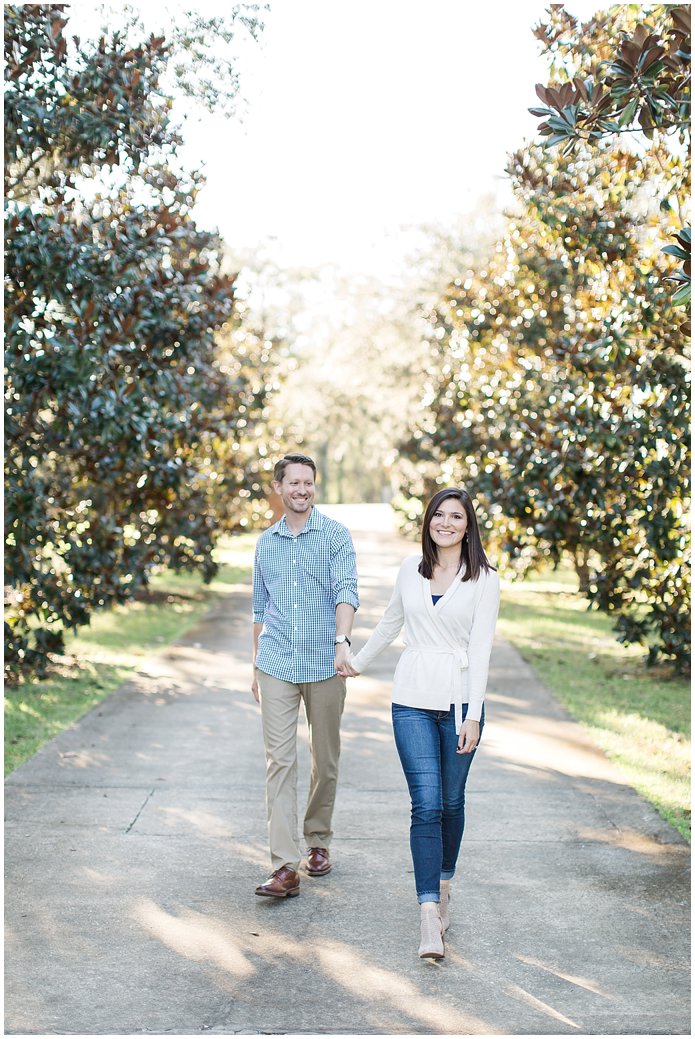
pixel 281 466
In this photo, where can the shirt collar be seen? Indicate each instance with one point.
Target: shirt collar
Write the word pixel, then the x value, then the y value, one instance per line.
pixel 315 522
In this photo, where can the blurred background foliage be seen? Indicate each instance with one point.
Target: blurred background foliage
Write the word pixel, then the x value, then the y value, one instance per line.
pixel 134 387
pixel 155 372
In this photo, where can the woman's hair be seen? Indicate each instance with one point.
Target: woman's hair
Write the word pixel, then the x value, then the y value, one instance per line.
pixel 472 552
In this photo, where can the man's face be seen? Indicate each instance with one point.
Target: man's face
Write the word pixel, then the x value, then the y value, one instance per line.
pixel 296 488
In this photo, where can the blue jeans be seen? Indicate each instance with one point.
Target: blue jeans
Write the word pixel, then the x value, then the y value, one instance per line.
pixel 426 742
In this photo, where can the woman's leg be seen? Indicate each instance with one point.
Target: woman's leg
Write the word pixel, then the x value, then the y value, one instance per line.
pixel 455 769
pixel 417 742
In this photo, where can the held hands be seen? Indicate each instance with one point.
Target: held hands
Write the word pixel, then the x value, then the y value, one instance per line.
pixel 348 671
pixel 468 737
pixel 342 662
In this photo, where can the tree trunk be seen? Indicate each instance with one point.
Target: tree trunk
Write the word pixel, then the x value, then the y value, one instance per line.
pixel 582 569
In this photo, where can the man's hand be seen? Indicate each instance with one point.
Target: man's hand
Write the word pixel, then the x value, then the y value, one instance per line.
pixel 345 668
pixel 341 656
pixel 255 688
pixel 468 737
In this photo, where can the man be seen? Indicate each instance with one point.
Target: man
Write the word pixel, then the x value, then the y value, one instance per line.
pixel 304 603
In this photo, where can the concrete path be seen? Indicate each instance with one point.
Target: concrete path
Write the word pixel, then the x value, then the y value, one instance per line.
pixel 134 842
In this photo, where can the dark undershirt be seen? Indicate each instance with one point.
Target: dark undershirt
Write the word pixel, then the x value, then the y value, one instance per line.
pixel 435 599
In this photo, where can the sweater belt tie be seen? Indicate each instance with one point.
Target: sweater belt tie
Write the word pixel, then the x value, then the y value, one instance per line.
pixel 461 658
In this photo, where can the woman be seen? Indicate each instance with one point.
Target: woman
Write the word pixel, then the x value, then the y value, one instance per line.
pixel 448 599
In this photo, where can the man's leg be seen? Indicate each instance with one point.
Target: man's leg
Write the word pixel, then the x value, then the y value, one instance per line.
pixel 323 702
pixel 279 710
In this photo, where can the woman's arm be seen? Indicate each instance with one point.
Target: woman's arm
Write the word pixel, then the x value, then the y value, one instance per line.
pixel 386 631
pixel 480 643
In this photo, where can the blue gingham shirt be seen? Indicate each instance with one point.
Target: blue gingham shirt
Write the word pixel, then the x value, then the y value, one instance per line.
pixel 298 580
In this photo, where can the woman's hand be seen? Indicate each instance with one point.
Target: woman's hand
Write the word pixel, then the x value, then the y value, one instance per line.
pixel 468 737
pixel 346 670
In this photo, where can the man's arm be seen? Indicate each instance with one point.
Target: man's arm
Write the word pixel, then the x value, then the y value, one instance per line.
pixel 344 616
pixel 260 598
pixel 344 583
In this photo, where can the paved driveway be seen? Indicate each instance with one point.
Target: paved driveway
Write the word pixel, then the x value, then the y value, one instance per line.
pixel 134 842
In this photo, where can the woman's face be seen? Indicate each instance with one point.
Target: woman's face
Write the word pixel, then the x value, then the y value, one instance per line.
pixel 448 524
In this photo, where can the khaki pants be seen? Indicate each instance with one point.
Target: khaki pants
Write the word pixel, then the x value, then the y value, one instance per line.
pixel 323 703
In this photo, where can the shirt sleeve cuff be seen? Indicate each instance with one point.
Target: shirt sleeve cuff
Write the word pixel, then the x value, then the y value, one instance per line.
pixel 474 711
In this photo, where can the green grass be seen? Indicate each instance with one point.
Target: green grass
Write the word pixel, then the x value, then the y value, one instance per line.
pixel 639 716
pixel 102 656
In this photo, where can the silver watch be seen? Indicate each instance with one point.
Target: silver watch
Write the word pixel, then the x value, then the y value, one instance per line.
pixel 339 639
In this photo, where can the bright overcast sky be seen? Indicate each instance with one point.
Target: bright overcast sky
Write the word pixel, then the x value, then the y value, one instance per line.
pixel 367 115
pixel 362 118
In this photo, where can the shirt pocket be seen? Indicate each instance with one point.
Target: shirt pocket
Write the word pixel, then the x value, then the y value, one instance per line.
pixel 314 570
pixel 315 581
pixel 274 571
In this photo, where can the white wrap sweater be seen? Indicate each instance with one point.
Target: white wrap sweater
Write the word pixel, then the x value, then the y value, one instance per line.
pixel 447 645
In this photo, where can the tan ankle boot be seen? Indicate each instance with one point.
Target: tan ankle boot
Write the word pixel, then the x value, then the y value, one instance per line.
pixel 431 932
pixel 445 895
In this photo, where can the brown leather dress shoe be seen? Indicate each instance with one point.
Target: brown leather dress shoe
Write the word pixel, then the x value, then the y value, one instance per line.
pixel 283 883
pixel 318 862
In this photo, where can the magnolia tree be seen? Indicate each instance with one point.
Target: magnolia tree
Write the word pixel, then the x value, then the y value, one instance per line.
pixel 625 72
pixel 120 414
pixel 559 388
